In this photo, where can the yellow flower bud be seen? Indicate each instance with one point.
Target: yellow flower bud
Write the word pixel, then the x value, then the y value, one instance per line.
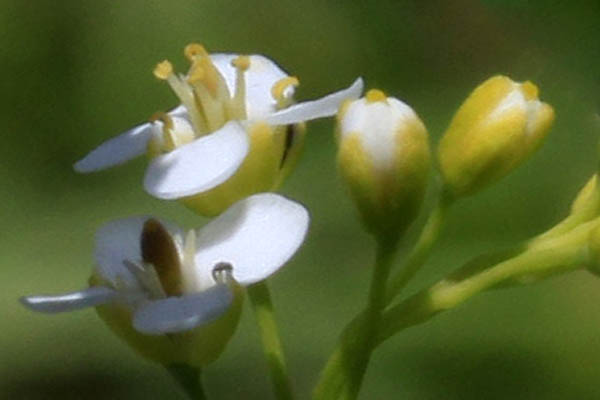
pixel 384 158
pixel 499 125
pixel 587 203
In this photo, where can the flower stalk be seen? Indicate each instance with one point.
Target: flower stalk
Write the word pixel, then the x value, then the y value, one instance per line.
pixel 343 374
pixel 560 255
pixel 262 305
pixel 521 265
pixel 377 300
pixel 422 248
pixel 190 379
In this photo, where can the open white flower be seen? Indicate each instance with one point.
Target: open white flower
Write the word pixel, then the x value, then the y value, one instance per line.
pixel 236 117
pixel 150 277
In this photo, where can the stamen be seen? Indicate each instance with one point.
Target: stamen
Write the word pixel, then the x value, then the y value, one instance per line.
pixel 237 109
pixel 147 278
pixel 170 140
pixel 189 248
pixel 208 87
pixel 375 95
pixel 163 70
pixel 188 263
pixel 164 118
pixel 196 74
pixel 194 50
pixel 241 62
pixel 530 91
pixel 204 72
pixel 222 273
pixel 279 88
pixel 159 249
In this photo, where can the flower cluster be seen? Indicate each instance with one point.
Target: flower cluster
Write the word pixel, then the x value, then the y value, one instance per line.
pixel 176 295
pixel 236 133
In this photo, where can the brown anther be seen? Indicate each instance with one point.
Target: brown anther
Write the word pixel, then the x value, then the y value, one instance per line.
pixel 159 249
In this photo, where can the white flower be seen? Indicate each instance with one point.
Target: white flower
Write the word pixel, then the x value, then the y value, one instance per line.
pixel 203 142
pixel 171 283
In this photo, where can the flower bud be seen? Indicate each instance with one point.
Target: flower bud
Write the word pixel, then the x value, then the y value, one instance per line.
pixel 584 208
pixel 384 158
pixel 587 203
pixel 499 125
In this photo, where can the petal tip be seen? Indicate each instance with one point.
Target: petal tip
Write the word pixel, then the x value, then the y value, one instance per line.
pixel 82 167
pixel 27 302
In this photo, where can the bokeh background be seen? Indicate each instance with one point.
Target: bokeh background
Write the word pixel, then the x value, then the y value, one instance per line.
pixel 75 72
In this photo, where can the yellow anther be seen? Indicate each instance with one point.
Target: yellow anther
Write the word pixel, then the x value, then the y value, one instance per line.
pixel 203 71
pixel 281 85
pixel 194 50
pixel 164 118
pixel 530 91
pixel 241 62
pixel 375 95
pixel 163 70
pixel 196 74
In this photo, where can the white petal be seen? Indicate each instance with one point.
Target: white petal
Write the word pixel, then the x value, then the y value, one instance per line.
pixel 198 166
pixel 118 241
pixel 117 150
pixel 260 78
pixel 176 314
pixel 69 301
pixel 323 107
pixel 256 236
pixel 179 111
pixel 126 146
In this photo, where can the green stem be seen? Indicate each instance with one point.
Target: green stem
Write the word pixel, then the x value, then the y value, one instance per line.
pixel 420 252
pixel 190 379
pixel 518 266
pixel 352 362
pixel 557 256
pixel 381 271
pixel 263 309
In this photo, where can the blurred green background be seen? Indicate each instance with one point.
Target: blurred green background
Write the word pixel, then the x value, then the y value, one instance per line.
pixel 75 72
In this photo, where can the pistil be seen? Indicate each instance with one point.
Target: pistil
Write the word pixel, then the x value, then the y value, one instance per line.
pixel 206 99
pixel 209 86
